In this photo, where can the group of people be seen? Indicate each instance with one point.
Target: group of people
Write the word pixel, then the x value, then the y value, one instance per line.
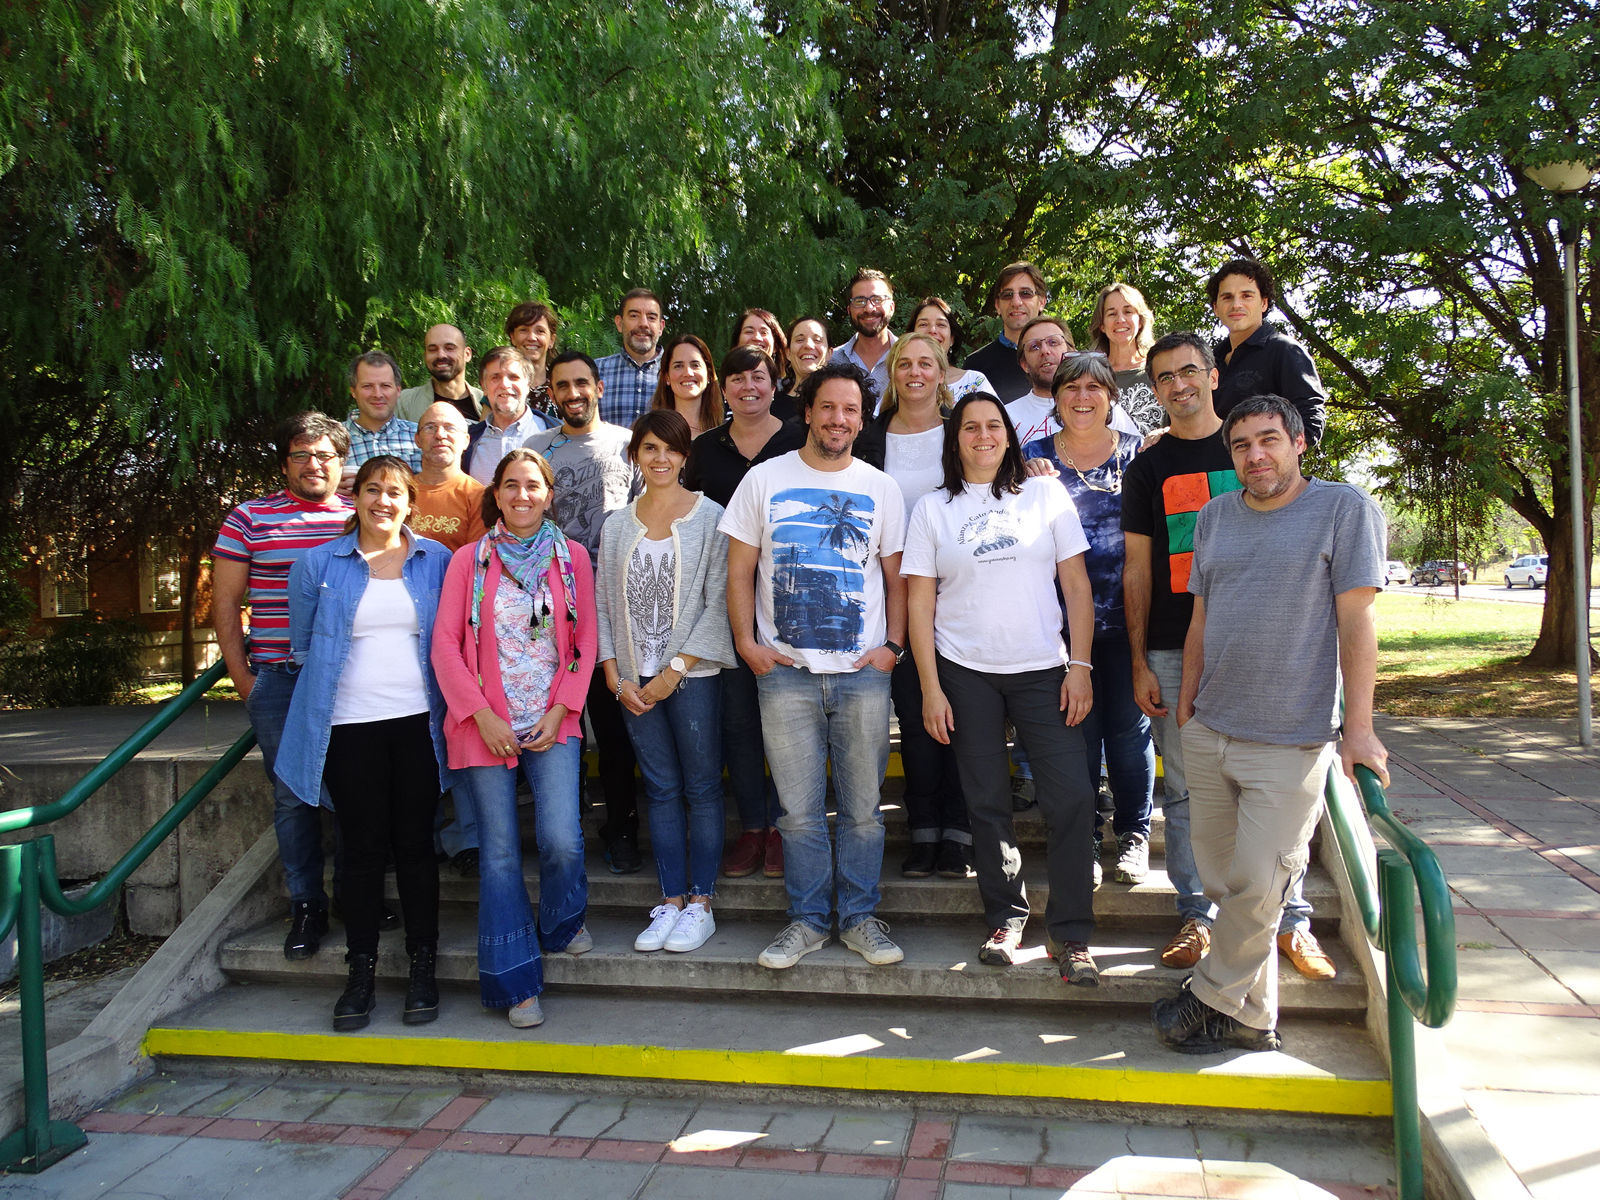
pixel 747 565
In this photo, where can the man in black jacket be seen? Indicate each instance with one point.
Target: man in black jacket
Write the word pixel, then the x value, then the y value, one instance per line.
pixel 1255 358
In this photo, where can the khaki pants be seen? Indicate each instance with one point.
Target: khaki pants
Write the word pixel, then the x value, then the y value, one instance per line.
pixel 1252 810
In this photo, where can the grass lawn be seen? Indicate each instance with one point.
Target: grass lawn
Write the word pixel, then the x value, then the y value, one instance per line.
pixel 1440 657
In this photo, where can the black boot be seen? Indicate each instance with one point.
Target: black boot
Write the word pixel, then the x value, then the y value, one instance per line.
pixel 355 1007
pixel 307 927
pixel 422 993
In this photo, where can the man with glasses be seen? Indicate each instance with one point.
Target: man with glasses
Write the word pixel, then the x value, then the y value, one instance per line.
pixel 1162 494
pixel 871 305
pixel 259 541
pixel 1018 297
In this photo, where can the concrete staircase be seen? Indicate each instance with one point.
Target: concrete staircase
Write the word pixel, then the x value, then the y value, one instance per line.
pixel 938 1022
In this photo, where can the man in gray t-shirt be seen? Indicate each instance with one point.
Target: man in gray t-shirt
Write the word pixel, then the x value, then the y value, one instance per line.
pixel 1284 577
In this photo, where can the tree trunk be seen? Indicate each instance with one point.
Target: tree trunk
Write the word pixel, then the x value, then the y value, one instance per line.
pixel 186 606
pixel 1556 646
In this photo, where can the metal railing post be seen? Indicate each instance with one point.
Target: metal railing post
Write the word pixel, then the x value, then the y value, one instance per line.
pixel 1394 885
pixel 41 1141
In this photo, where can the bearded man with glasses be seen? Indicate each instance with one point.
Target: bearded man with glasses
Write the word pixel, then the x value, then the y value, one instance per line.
pixel 259 541
pixel 870 309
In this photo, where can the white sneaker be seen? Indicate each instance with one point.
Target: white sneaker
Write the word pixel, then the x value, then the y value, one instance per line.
pixel 795 942
pixel 527 1014
pixel 693 928
pixel 869 938
pixel 662 919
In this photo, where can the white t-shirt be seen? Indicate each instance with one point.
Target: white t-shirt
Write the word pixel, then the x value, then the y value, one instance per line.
pixel 971 381
pixel 995 562
pixel 382 676
pixel 819 581
pixel 1035 417
pixel 913 460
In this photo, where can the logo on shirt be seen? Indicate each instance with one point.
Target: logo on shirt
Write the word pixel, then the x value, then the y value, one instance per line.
pixel 821 542
pixel 994 530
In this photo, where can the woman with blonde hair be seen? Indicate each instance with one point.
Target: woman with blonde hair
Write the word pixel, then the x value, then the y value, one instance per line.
pixel 1123 329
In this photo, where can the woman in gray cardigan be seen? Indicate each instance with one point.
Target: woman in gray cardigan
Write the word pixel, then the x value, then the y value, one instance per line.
pixel 661 592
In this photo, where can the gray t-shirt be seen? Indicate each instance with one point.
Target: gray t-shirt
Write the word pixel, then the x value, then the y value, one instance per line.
pixel 593 478
pixel 1269 580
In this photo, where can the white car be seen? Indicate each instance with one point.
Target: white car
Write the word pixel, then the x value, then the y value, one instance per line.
pixel 1395 571
pixel 1529 570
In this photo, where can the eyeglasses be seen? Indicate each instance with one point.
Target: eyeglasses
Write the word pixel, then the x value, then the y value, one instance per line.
pixel 1019 294
pixel 1048 343
pixel 860 302
pixel 301 457
pixel 1188 374
pixel 439 427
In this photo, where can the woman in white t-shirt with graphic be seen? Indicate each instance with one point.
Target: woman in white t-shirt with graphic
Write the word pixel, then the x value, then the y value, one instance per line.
pixel 912 417
pixel 984 555
pixel 662 587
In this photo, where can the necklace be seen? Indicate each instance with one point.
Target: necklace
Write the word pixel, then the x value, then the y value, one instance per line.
pixel 1111 467
pixel 383 564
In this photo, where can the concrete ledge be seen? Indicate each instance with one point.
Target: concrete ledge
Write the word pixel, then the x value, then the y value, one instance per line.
pixel 108 1053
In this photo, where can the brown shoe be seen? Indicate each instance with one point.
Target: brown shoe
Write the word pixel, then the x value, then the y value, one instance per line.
pixel 745 855
pixel 1301 948
pixel 1189 947
pixel 774 867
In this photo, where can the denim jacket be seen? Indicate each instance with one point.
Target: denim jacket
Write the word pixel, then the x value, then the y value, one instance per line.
pixel 325 587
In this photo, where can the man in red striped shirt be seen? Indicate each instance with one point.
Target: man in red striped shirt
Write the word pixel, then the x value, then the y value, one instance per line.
pixel 259 541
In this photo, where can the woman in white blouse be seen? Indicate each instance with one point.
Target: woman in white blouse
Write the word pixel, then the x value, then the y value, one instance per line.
pixel 664 638
pixel 984 554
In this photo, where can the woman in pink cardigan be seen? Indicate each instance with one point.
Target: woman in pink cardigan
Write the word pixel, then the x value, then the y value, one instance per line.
pixel 513 650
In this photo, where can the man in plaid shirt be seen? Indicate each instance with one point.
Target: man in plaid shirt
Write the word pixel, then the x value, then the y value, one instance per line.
pixel 628 380
pixel 376 426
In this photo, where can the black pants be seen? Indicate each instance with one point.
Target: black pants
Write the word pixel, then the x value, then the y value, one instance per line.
pixel 384 781
pixel 935 807
pixel 982 702
pixel 615 752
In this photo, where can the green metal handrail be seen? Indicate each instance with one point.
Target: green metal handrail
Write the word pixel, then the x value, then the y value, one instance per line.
pixel 28 879
pixel 1386 894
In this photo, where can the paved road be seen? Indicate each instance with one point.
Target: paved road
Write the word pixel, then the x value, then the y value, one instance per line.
pixel 1485 590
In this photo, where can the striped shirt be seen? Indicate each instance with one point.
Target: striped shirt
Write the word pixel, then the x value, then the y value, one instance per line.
pixel 628 388
pixel 396 436
pixel 270 534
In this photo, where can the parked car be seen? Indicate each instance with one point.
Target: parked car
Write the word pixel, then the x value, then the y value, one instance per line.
pixel 1439 570
pixel 1395 571
pixel 1529 570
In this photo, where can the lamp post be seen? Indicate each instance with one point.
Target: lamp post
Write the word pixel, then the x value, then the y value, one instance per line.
pixel 1564 178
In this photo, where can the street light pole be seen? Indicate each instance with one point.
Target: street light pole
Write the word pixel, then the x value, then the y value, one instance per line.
pixel 1563 178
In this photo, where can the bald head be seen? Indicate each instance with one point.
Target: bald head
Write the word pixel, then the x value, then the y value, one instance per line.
pixel 442 437
pixel 446 354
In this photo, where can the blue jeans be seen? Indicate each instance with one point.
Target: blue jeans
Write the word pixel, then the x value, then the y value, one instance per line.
pixel 509 966
pixel 807 720
pixel 461 832
pixel 935 808
pixel 679 747
pixel 298 825
pixel 1185 877
pixel 1118 724
pixel 753 792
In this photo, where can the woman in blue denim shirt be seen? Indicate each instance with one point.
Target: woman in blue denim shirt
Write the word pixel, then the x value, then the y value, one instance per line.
pixel 366 719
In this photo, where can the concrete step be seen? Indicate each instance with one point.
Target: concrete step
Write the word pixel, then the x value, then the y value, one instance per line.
pixel 996 1057
pixel 940 964
pixel 1149 904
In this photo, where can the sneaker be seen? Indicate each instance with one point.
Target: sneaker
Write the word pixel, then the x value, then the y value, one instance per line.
pixel 582 942
pixel 466 864
pixel 308 925
pixel 662 918
pixel 1097 869
pixel 622 854
pixel 1077 965
pixel 955 860
pixel 1133 858
pixel 527 1014
pixel 746 854
pixel 919 864
pixel 795 942
pixel 772 868
pixel 1001 948
pixel 869 938
pixel 693 928
pixel 1225 1032
pixel 1301 947
pixel 1179 1019
pixel 1022 798
pixel 1188 947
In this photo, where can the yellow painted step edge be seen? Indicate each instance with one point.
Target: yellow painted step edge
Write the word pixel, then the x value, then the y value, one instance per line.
pixel 1273 1093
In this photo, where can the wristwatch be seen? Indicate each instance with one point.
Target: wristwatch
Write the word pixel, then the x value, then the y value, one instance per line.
pixel 898 651
pixel 682 668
